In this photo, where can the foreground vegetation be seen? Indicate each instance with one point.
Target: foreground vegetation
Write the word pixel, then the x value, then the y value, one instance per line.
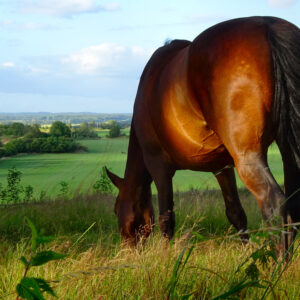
pixel 99 267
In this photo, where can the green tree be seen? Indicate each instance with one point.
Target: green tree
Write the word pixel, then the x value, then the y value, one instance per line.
pixel 14 147
pixel 103 184
pixel 14 188
pixel 33 131
pixel 108 124
pixel 93 124
pixel 115 130
pixel 3 129
pixel 17 129
pixel 2 152
pixel 28 193
pixel 84 131
pixel 60 129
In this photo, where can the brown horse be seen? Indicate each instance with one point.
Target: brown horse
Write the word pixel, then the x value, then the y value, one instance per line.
pixel 209 105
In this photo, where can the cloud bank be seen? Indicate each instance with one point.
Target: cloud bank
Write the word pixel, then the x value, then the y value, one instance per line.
pixel 281 3
pixel 65 8
pixel 107 59
pixel 89 72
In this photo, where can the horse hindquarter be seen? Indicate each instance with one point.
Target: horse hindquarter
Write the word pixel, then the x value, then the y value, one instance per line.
pixel 235 90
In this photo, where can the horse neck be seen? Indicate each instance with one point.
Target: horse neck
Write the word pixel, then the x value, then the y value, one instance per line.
pixel 136 174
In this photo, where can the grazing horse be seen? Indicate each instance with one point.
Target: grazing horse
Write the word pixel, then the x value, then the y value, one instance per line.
pixel 210 105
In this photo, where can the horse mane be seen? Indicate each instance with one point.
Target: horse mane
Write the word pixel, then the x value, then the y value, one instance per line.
pixel 164 54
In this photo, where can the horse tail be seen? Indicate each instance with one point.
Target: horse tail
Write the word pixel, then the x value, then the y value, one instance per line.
pixel 284 39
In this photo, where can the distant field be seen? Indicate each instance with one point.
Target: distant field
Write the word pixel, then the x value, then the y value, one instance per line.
pixel 105 132
pixel 80 170
pixel 101 132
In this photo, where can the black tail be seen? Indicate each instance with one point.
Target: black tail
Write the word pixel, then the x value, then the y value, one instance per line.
pixel 284 39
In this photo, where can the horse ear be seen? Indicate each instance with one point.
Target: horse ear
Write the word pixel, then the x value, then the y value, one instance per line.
pixel 115 179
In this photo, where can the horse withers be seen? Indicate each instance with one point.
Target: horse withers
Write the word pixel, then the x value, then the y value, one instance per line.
pixel 210 104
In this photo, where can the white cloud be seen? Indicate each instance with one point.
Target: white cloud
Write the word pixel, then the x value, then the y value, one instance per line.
pixel 65 7
pixel 36 26
pixel 13 25
pixel 93 58
pixel 8 64
pixel 281 3
pixel 107 58
pixel 111 6
pixel 6 22
pixel 109 71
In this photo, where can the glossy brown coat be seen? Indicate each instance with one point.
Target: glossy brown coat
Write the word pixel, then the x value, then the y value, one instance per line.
pixel 204 105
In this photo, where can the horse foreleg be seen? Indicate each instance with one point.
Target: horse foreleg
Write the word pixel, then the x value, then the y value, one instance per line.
pixel 166 213
pixel 162 175
pixel 234 210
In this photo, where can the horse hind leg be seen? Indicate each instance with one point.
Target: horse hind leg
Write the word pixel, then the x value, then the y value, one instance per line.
pixel 249 152
pixel 292 192
pixel 253 170
pixel 234 210
pixel 250 159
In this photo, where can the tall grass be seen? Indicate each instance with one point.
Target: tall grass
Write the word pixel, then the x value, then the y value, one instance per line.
pixel 99 267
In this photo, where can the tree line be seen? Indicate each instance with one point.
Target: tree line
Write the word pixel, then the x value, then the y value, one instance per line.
pixel 30 139
pixel 58 128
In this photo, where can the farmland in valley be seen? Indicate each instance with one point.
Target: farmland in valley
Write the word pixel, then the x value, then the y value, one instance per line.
pixel 80 170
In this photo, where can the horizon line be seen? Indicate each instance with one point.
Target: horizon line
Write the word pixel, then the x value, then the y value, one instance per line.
pixel 67 112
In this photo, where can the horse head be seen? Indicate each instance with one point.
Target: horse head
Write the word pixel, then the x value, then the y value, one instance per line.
pixel 135 217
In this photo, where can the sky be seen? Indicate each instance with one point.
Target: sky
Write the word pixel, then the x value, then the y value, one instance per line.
pixel 88 55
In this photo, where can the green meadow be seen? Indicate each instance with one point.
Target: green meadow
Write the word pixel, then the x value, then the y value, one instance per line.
pixel 44 172
pixel 205 260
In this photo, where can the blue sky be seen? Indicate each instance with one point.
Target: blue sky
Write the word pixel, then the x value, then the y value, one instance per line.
pixel 87 55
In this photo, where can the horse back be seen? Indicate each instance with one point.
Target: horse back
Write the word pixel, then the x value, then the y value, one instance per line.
pixel 167 116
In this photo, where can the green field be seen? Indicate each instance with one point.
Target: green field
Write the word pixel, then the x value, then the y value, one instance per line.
pixel 80 170
pixel 98 266
pixel 103 133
